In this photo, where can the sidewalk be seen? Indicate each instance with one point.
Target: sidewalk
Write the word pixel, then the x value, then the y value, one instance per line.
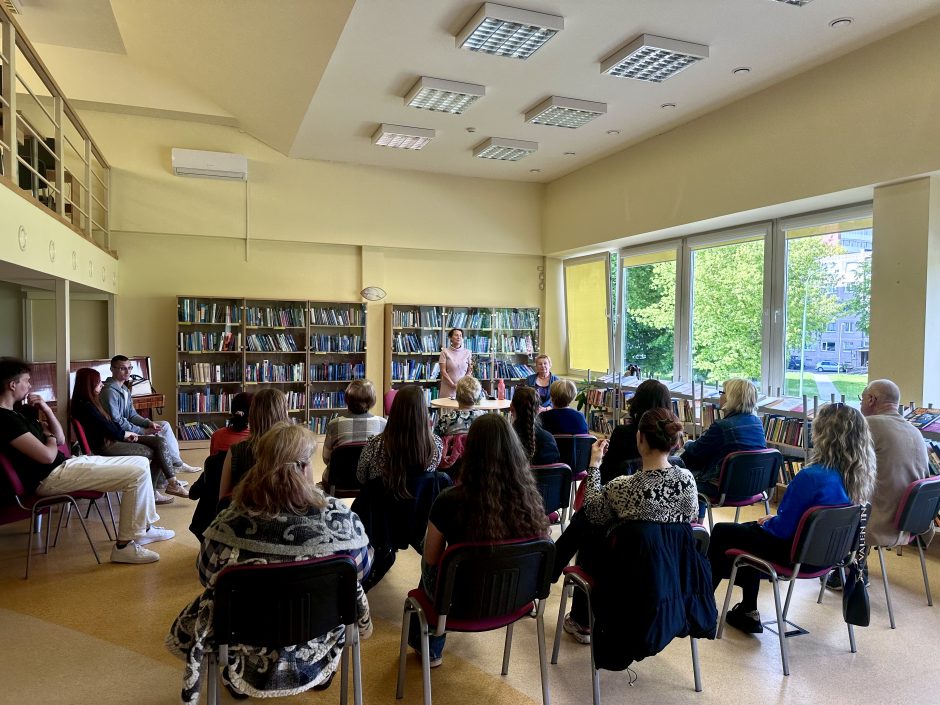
pixel 826 388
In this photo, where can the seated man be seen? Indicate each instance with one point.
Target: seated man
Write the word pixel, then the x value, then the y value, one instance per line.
pixel 357 425
pixel 32 448
pixel 116 399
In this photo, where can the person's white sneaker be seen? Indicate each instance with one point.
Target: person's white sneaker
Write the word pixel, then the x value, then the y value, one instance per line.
pixel 154 534
pixel 188 468
pixel 133 553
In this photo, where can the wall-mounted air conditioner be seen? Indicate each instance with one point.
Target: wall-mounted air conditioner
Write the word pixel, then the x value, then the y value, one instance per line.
pixel 210 165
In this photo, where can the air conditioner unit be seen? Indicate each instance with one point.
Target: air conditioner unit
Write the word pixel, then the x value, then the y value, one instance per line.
pixel 210 165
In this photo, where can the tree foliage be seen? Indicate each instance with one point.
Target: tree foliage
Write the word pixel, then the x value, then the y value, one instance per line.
pixel 859 303
pixel 811 281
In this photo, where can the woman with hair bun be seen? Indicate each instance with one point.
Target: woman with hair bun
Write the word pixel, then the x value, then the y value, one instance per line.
pixel 237 428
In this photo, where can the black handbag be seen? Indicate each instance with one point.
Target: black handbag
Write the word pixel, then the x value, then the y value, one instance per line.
pixel 856 608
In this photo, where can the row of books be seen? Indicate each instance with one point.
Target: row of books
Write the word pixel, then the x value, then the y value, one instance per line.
pixel 933 455
pixel 481 368
pixel 195 430
pixel 477 343
pixel 318 424
pixel 204 402
pixel 226 341
pixel 788 430
pixel 412 343
pixel 337 343
pixel 600 421
pixel 275 317
pixel 338 316
pixel 469 319
pixel 521 344
pixel 510 370
pixel 518 319
pixel 206 372
pixel 337 371
pixel 412 370
pixel 192 311
pixel 279 342
pixel 684 409
pixel 427 318
pixel 328 400
pixel 925 419
pixel 267 371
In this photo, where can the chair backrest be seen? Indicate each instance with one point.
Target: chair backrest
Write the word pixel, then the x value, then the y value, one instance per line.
pixel 388 399
pixel 702 538
pixel 919 505
pixel 575 450
pixel 480 581
pixel 454 445
pixel 826 535
pixel 554 483
pixel 343 463
pixel 745 473
pixel 282 604
pixel 79 432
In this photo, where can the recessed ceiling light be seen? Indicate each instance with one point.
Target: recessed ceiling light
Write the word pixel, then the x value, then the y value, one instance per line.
pixel 741 71
pixel 613 132
pixel 798 3
pixel 535 171
pixel 508 31
pixel 443 96
pixel 667 106
pixel 570 154
pixel 401 136
pixel 504 149
pixel 654 59
pixel 840 22
pixel 564 112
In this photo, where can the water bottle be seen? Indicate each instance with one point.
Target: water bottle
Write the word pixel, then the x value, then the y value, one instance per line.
pixel 501 389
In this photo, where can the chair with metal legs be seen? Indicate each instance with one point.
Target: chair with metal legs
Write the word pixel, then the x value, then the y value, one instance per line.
pixel 747 477
pixel 554 484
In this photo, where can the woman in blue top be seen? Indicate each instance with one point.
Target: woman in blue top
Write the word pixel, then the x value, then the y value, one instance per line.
pixel 542 380
pixel 561 419
pixel 842 472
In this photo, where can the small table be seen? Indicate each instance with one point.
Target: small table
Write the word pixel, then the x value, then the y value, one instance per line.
pixel 485 405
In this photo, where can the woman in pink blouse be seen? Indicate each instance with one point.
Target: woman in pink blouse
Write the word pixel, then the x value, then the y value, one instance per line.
pixel 454 362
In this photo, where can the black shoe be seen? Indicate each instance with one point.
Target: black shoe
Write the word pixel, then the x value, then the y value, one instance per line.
pixel 834 581
pixel 747 622
pixel 234 693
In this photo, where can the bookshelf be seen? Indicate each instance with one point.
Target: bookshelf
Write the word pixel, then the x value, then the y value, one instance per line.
pixel 504 342
pixel 310 350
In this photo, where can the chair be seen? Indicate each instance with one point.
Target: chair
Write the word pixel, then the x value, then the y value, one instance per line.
pixel 577 578
pixel 481 587
pixel 575 452
pixel 454 445
pixel 282 604
pixel 746 478
pixel 31 506
pixel 916 512
pixel 388 399
pixel 78 434
pixel 343 463
pixel 554 483
pixel 825 538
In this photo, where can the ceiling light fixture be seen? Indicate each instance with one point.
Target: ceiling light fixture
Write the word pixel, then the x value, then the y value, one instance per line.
pixel 443 96
pixel 569 154
pixel 402 137
pixel 565 112
pixel 508 31
pixel 741 71
pixel 654 59
pixel 667 106
pixel 535 171
pixel 613 132
pixel 840 22
pixel 797 3
pixel 504 149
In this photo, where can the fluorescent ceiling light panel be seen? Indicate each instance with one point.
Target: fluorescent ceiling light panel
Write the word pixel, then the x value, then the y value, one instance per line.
pixel 798 3
pixel 443 96
pixel 565 112
pixel 504 149
pixel 508 31
pixel 402 137
pixel 654 59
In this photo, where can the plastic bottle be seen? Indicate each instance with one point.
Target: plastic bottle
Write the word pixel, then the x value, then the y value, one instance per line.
pixel 501 389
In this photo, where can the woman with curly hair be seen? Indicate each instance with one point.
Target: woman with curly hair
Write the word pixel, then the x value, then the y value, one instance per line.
pixel 842 472
pixel 496 500
pixel 539 445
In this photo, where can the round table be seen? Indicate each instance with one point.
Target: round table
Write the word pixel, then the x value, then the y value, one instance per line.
pixel 485 405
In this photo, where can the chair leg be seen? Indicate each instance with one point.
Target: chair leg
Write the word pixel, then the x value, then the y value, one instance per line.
pixel 767 505
pixel 49 527
pixel 425 662
pixel 724 609
pixel 107 496
pixel 923 568
pixel 566 589
pixel 212 679
pixel 884 579
pixel 696 668
pixel 711 519
pixel 29 541
pixel 822 589
pixel 507 648
pixel 344 668
pixel 103 522
pixel 737 514
pixel 405 623
pixel 357 667
pixel 786 606
pixel 852 644
pixel 543 665
pixel 781 629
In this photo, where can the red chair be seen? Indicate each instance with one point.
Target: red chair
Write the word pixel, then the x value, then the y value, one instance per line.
pixel 554 483
pixel 747 477
pixel 78 434
pixel 343 463
pixel 482 587
pixel 31 506
pixel 388 399
pixel 825 538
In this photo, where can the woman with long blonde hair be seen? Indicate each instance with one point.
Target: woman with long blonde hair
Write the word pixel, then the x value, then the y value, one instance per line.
pixel 268 407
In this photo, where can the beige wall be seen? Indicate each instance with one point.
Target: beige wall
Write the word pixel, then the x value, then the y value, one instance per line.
pixel 11 320
pixel 88 319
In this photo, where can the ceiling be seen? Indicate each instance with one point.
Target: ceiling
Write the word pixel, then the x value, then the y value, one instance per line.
pixel 314 78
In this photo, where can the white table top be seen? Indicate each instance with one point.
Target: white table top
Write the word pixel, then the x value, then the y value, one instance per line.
pixel 486 404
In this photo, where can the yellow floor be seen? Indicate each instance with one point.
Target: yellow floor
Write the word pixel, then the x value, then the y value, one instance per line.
pixel 77 632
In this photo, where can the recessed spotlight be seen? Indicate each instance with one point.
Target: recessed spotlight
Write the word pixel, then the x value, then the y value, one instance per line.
pixel 508 31
pixel 443 96
pixel 613 132
pixel 654 59
pixel 797 3
pixel 840 22
pixel 401 136
pixel 667 106
pixel 565 112
pixel 535 171
pixel 570 154
pixel 471 130
pixel 504 149
pixel 741 71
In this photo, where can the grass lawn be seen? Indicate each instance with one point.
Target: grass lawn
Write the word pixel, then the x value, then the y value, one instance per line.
pixel 849 385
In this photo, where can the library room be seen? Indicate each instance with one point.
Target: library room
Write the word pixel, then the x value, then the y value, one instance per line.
pixel 446 350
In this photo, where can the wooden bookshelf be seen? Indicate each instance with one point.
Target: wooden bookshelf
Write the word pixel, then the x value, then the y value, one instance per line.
pixel 310 350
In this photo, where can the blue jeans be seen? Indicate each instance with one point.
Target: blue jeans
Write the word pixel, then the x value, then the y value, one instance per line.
pixel 435 643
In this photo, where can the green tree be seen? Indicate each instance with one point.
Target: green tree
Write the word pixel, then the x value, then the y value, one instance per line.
pixel 811 281
pixel 860 292
pixel 649 317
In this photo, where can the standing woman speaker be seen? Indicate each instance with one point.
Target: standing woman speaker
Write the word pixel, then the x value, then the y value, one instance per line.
pixel 454 363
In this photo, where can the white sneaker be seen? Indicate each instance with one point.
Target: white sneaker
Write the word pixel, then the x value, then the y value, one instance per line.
pixel 133 552
pixel 188 468
pixel 154 534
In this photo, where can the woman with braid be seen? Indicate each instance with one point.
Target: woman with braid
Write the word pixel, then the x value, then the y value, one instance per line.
pixel 539 445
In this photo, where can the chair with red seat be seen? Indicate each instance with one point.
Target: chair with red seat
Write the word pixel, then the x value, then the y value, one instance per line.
pixel 747 477
pixel 554 484
pixel 482 587
pixel 825 538
pixel 343 463
pixel 454 444
pixel 574 451
pixel 78 434
pixel 387 400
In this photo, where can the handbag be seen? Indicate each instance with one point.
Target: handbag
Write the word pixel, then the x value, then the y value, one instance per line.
pixel 856 608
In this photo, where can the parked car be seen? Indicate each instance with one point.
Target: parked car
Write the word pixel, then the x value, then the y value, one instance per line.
pixel 829 366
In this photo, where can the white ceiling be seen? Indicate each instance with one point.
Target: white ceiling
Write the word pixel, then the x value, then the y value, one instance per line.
pixel 304 78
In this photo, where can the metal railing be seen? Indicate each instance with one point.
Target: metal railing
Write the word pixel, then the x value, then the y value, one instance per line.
pixel 45 150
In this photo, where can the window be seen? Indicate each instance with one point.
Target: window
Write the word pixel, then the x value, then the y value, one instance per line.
pixel 649 313
pixel 848 326
pixel 830 327
pixel 587 296
pixel 847 345
pixel 828 346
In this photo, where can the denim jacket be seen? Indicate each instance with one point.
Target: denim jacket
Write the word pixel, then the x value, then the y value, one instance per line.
pixel 735 432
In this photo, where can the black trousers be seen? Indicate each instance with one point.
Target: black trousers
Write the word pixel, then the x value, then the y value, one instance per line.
pixel 589 541
pixel 748 537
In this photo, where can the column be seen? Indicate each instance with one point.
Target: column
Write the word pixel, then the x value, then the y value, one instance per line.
pixel 63 354
pixel 373 274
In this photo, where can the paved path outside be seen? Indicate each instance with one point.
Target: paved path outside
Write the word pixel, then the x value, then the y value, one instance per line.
pixel 826 387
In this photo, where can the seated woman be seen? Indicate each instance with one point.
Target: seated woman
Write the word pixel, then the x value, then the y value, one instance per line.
pixel 842 472
pixel 738 429
pixel 237 428
pixel 357 425
pixel 277 515
pixel 268 407
pixel 542 381
pixel 660 492
pixel 560 419
pixel 622 454
pixel 539 445
pixel 105 437
pixel 496 500
pixel 458 420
